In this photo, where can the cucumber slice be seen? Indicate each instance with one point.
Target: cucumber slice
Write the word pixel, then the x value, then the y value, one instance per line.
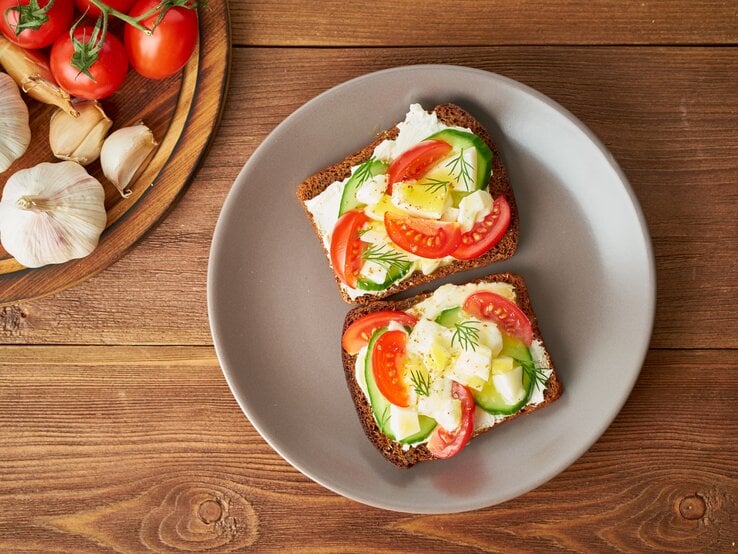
pixel 450 317
pixel 364 172
pixel 461 140
pixel 381 406
pixel 489 399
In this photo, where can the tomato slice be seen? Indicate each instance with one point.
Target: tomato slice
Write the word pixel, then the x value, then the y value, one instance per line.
pixel 443 443
pixel 486 233
pixel 346 246
pixel 357 334
pixel 506 314
pixel 388 358
pixel 414 163
pixel 423 237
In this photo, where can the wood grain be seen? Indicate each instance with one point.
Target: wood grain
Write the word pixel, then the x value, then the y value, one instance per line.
pixel 677 147
pixel 144 448
pixel 492 22
pixel 182 111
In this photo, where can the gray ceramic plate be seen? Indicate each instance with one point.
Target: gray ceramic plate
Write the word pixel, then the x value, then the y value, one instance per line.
pixel 276 314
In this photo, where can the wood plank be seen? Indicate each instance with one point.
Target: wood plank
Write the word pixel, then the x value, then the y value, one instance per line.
pixel 127 448
pixel 678 145
pixel 471 23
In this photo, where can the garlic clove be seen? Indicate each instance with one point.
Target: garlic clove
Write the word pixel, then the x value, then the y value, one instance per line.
pixel 79 139
pixel 124 154
pixel 51 213
pixel 31 70
pixel 15 131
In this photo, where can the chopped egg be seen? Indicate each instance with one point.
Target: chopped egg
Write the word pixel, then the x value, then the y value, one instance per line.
pixel 471 367
pixel 510 385
pixel 403 422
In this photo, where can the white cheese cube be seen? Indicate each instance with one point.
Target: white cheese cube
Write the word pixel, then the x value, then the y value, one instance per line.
pixel 451 214
pixel 473 208
pixel 403 422
pixel 471 367
pixel 421 200
pixel 432 343
pixel 510 385
pixel 428 266
pixel 463 168
pixel 373 272
pixel 370 191
pixel 490 336
pixel 441 405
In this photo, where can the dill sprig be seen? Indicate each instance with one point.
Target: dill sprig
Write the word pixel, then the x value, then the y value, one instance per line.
pixel 384 418
pixel 466 334
pixel 435 185
pixel 460 168
pixel 421 383
pixel 535 374
pixel 364 171
pixel 386 257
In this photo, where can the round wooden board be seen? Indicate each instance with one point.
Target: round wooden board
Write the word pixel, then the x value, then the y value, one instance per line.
pixel 183 113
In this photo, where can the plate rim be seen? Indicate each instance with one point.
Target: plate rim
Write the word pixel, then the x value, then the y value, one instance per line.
pixel 650 288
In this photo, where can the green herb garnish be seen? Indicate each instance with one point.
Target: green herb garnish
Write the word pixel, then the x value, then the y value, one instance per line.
pixel 435 185
pixel 460 168
pixel 535 374
pixel 386 257
pixel 421 383
pixel 466 334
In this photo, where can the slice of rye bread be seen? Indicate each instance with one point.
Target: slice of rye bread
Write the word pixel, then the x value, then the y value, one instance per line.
pixel 393 450
pixel 499 184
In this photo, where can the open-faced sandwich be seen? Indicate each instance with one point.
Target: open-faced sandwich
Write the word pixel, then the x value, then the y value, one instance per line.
pixel 428 373
pixel 427 198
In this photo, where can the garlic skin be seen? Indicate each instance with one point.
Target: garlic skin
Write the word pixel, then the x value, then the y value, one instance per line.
pixel 51 213
pixel 79 139
pixel 15 131
pixel 124 153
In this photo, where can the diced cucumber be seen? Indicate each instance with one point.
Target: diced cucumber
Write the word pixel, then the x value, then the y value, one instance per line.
pixel 381 406
pixel 489 398
pixel 461 140
pixel 450 317
pixel 363 173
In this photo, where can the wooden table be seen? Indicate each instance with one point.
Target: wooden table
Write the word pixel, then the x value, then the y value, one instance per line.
pixel 119 432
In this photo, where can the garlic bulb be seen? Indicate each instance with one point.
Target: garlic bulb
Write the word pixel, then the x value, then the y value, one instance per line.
pixel 79 139
pixel 51 213
pixel 15 133
pixel 124 153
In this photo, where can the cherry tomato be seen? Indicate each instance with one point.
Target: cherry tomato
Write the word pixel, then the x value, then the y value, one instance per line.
pixel 506 314
pixel 414 163
pixel 170 46
pixel 108 72
pixel 443 443
pixel 486 233
pixel 423 237
pixel 87 7
pixel 357 334
pixel 59 19
pixel 388 358
pixel 346 246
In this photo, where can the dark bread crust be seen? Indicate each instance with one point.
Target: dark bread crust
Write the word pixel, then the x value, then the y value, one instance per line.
pixel 499 184
pixel 393 450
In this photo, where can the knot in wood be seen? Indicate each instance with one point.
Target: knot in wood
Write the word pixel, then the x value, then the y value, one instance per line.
pixel 692 507
pixel 11 319
pixel 210 511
